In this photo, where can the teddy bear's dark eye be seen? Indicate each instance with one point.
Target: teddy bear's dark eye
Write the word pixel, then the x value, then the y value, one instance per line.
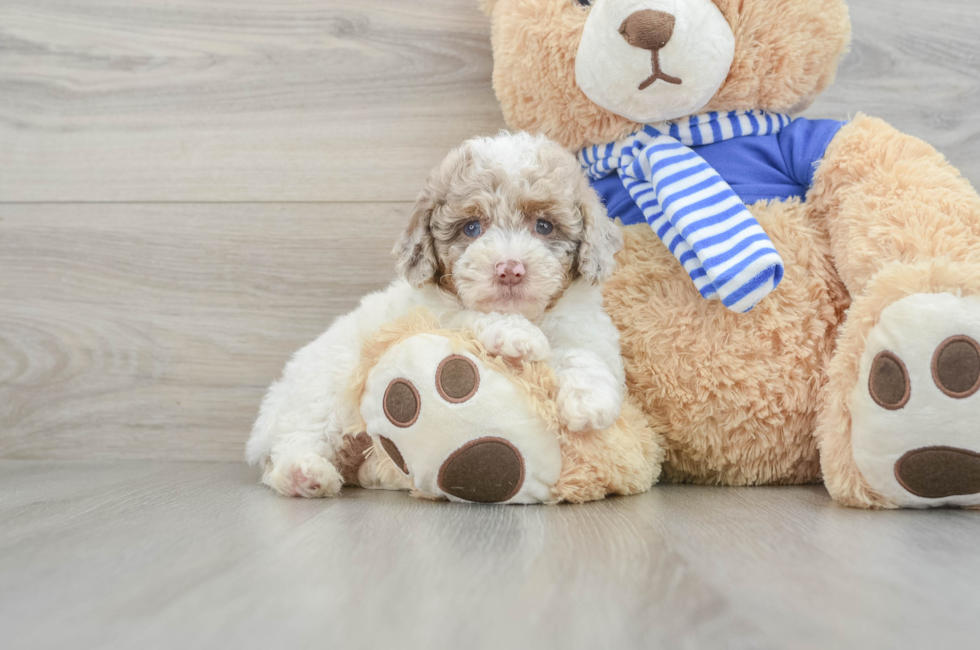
pixel 543 227
pixel 472 229
pixel 584 3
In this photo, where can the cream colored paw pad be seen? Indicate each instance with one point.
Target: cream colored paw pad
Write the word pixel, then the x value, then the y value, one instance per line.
pixel 915 427
pixel 457 428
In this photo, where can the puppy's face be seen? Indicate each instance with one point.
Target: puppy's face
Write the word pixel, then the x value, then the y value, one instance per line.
pixel 506 224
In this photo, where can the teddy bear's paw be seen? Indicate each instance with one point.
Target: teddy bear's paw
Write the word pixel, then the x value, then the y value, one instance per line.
pixel 305 474
pixel 457 429
pixel 589 397
pixel 915 428
pixel 515 337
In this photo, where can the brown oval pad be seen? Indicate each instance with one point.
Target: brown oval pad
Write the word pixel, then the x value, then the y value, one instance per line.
pixel 889 382
pixel 457 379
pixel 956 367
pixel 486 470
pixel 937 472
pixel 401 403
pixel 392 450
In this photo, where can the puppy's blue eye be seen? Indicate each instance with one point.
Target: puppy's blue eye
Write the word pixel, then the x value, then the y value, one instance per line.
pixel 472 229
pixel 585 3
pixel 543 227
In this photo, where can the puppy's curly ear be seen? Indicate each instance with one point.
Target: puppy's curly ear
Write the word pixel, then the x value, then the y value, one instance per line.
pixel 601 238
pixel 487 6
pixel 415 249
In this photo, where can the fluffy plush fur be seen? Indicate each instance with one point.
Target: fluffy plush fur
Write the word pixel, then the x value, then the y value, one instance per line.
pixel 767 397
pixel 508 241
pixel 740 392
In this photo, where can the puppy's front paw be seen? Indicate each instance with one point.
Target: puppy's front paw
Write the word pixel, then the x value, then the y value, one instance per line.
pixel 517 338
pixel 583 406
pixel 589 397
pixel 304 475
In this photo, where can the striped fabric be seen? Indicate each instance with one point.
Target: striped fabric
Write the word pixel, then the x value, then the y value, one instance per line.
pixel 693 210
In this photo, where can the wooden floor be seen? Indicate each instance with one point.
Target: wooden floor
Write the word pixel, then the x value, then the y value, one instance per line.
pixel 146 554
pixel 192 189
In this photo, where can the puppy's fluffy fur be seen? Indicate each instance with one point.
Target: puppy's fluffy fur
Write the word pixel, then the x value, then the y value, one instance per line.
pixel 507 239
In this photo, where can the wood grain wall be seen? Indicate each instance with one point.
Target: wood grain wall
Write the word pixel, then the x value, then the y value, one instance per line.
pixel 192 189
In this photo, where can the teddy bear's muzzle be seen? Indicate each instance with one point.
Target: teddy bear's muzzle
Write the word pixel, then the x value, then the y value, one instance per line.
pixel 649 29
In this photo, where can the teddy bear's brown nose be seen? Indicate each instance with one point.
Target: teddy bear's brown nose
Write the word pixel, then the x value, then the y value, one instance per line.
pixel 648 29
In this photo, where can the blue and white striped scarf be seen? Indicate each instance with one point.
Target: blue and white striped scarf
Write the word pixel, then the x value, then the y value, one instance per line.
pixel 693 210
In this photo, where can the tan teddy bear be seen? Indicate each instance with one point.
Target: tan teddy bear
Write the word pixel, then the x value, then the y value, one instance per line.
pixel 798 300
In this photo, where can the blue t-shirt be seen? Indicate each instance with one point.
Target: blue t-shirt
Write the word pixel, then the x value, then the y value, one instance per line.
pixel 759 168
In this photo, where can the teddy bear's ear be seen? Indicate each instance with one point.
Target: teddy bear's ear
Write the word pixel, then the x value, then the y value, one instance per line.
pixel 415 249
pixel 487 6
pixel 601 238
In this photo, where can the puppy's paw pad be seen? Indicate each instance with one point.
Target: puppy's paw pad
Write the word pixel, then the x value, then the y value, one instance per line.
pixel 309 475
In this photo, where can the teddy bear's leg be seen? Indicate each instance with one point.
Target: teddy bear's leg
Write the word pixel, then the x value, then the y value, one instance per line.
pixel 901 421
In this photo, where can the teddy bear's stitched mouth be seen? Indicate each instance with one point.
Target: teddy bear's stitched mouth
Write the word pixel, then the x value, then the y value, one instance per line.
pixel 658 74
pixel 650 30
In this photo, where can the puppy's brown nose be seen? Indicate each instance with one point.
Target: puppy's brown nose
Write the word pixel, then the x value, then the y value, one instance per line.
pixel 510 273
pixel 648 29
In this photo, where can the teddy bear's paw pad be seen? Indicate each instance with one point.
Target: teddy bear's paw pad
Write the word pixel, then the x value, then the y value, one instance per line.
pixel 401 403
pixel 396 456
pixel 457 428
pixel 916 408
pixel 938 472
pixel 457 379
pixel 956 367
pixel 488 470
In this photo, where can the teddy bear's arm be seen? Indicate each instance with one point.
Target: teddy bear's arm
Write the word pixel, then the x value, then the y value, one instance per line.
pixel 889 197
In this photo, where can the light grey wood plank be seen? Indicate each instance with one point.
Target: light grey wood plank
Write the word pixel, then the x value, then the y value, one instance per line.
pixel 332 100
pixel 240 100
pixel 149 331
pixel 151 554
pixel 817 575
pixel 916 66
